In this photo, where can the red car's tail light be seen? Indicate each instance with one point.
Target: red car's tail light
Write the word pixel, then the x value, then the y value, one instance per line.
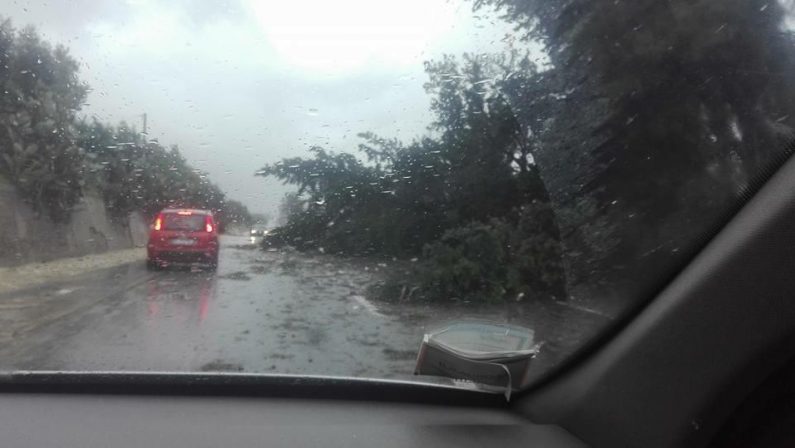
pixel 208 224
pixel 158 223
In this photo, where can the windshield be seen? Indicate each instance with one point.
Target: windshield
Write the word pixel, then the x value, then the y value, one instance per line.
pixel 174 221
pixel 378 171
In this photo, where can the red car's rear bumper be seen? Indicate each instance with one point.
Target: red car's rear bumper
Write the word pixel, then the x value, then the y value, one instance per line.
pixel 184 255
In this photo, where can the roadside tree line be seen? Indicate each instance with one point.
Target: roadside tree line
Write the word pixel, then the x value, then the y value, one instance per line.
pixel 53 156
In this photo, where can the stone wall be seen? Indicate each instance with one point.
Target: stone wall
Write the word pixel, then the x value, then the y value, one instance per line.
pixel 27 237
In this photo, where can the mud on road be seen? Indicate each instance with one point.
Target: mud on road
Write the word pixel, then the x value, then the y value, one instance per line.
pixel 275 312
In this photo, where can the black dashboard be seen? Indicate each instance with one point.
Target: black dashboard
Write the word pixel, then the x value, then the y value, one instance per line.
pixel 116 420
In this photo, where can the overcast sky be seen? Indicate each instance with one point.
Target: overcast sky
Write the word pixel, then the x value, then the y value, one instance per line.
pixel 240 83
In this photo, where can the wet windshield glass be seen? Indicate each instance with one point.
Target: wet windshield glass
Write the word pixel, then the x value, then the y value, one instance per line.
pixel 514 174
pixel 173 221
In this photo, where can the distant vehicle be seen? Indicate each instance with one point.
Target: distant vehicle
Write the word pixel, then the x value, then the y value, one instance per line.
pixel 259 231
pixel 183 236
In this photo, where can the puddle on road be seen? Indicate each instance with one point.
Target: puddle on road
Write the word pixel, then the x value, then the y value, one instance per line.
pixel 221 366
pixel 237 275
pixel 400 355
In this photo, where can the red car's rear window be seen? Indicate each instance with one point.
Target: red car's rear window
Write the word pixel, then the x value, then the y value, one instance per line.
pixel 173 221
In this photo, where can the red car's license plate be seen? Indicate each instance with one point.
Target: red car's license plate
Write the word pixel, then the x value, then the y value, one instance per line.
pixel 183 242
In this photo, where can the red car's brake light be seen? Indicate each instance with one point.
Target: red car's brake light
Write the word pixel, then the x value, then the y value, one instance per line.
pixel 159 222
pixel 208 224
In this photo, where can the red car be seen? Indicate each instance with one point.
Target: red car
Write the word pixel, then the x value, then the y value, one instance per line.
pixel 183 236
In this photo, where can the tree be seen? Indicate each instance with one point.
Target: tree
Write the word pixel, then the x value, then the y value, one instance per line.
pixel 667 111
pixel 51 156
pixel 133 174
pixel 290 207
pixel 41 96
pixel 261 219
pixel 234 213
pixel 448 198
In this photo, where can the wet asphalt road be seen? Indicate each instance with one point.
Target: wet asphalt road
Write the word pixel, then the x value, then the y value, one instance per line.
pixel 271 312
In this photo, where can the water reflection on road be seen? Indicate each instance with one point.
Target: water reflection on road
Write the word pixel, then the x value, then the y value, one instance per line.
pixel 185 296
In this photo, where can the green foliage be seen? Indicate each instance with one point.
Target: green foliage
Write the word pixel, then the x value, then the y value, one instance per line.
pixel 467 263
pixel 39 97
pixel 51 157
pixel 471 185
pixel 235 213
pixel 666 111
pixel 290 207
pixel 510 257
pixel 135 174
